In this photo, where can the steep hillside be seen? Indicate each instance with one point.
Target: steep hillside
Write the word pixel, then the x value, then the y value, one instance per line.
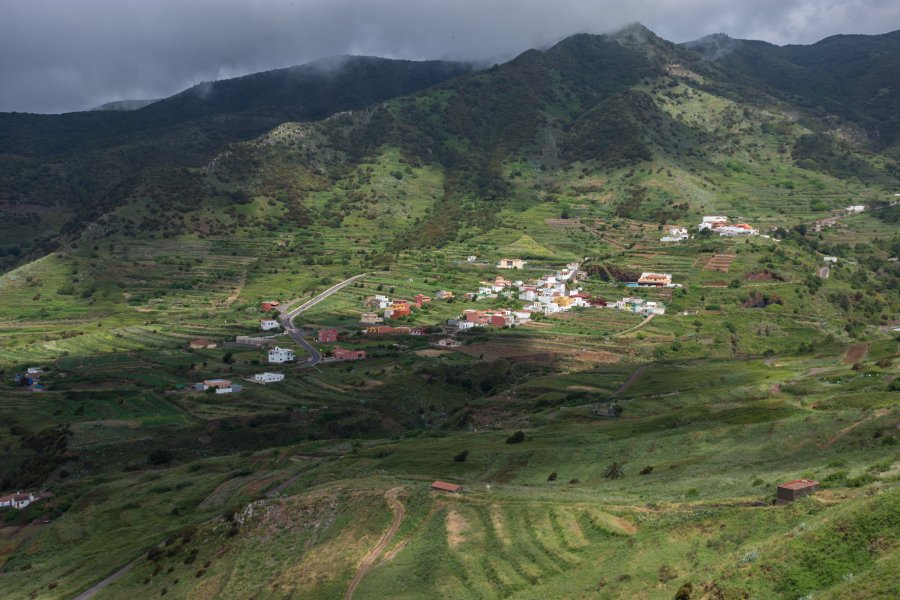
pixel 853 77
pixel 601 452
pixel 59 172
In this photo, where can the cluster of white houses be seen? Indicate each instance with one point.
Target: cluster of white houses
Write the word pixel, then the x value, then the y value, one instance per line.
pixel 719 224
pixel 395 309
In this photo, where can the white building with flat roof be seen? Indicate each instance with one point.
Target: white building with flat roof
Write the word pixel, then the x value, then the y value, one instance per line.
pixel 267 324
pixel 268 377
pixel 281 355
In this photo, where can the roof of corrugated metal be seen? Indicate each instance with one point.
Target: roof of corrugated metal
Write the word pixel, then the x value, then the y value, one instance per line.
pixel 447 487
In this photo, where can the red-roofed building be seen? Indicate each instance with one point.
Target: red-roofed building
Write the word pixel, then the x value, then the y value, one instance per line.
pixel 344 354
pixel 328 336
pixel 18 500
pixel 792 490
pixel 501 321
pixel 397 312
pixel 270 305
pixel 442 486
pixel 658 279
pixel 421 299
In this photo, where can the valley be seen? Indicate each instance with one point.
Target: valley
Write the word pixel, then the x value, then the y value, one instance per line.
pixel 620 437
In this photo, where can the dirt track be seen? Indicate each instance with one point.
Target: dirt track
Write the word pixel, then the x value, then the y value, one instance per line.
pixel 630 329
pixel 876 415
pixel 370 559
pixel 95 589
pixel 628 382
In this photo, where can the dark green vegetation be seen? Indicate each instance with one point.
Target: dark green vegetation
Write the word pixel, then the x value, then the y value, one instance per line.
pixel 604 455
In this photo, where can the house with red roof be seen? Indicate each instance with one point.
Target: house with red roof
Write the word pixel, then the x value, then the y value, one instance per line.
pixel 443 486
pixel 18 500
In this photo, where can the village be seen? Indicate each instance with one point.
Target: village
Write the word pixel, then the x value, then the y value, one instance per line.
pixel 514 302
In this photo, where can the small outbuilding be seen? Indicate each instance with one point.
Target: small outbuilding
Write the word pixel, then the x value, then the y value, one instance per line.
pixel 792 490
pixel 443 486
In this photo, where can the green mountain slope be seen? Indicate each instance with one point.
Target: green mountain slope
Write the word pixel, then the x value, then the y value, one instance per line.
pixel 854 77
pixel 648 449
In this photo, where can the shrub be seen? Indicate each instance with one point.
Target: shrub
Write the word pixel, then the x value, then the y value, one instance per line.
pixel 614 471
pixel 551 476
pixel 516 438
pixel 684 592
pixel 646 470
pixel 462 456
pixel 160 457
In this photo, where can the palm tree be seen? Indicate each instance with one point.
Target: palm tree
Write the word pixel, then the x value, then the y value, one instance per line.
pixel 614 471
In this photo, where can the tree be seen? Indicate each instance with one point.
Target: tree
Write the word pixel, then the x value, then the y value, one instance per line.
pixel 462 456
pixel 160 456
pixel 516 438
pixel 614 471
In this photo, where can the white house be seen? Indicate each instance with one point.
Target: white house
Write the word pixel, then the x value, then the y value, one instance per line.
pixel 640 306
pixel 268 377
pixel 676 234
pixel 471 258
pixel 736 230
pixel 712 221
pixel 460 324
pixel 830 259
pixel 267 324
pixel 654 308
pixel 383 301
pixel 856 208
pixel 19 500
pixel 448 343
pixel 35 370
pixel 281 355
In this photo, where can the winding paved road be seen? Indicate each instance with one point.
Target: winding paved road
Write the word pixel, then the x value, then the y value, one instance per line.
pixel 287 320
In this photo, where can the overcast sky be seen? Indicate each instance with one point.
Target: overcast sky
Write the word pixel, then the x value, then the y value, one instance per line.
pixel 61 55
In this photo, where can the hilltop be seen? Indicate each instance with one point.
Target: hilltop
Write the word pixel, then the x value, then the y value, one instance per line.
pixel 602 452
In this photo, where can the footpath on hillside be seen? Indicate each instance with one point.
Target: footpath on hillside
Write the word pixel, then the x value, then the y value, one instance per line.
pixel 372 557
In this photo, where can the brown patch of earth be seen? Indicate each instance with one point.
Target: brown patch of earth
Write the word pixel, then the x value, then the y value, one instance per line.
pixel 856 353
pixel 499 524
pixel 456 527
